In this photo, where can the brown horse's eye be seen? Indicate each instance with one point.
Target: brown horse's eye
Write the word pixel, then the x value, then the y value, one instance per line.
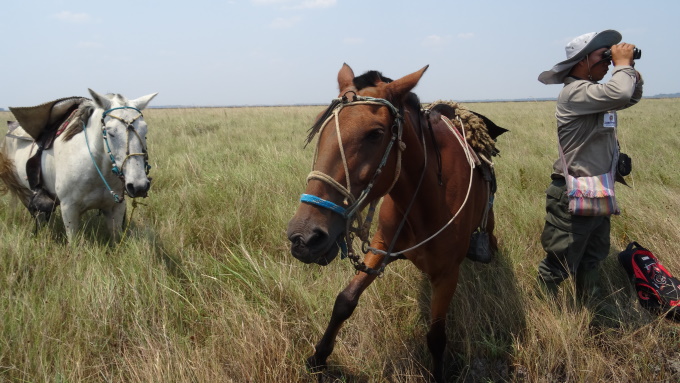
pixel 375 134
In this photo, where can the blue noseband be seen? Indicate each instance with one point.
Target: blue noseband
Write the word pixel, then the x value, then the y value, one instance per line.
pixel 314 200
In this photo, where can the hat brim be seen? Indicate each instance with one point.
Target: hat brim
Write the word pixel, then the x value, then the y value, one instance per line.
pixel 558 72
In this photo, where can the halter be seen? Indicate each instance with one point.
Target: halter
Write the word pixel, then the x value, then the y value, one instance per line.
pixel 351 212
pixel 114 167
pixel 130 128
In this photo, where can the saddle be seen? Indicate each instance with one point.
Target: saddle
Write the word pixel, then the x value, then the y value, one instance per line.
pixel 42 123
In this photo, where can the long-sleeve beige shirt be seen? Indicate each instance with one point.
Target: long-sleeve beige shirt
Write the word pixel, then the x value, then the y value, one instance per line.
pixel 590 146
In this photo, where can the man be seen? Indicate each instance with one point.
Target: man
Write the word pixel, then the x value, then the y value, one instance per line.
pixel 586 128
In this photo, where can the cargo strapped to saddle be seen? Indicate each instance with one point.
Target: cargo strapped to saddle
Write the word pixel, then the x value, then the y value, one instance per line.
pixel 657 290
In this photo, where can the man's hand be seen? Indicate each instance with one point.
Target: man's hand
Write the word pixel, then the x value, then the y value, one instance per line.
pixel 622 54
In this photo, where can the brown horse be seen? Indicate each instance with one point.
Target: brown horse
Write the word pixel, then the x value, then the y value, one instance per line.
pixel 375 141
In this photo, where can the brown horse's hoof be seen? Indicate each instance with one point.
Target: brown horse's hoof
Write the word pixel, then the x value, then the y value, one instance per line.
pixel 315 364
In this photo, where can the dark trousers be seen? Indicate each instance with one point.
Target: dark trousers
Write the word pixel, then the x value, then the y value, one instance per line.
pixel 572 243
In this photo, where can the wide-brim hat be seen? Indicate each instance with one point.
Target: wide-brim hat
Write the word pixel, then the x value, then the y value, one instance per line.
pixel 576 50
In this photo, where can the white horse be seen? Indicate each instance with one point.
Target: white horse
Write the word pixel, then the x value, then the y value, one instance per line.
pixel 98 159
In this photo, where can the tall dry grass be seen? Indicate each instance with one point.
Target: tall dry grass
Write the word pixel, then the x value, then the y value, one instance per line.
pixel 204 288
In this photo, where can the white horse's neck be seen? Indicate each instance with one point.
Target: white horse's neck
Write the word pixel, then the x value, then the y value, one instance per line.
pixel 93 131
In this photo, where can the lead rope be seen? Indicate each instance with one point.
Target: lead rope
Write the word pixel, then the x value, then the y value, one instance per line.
pixel 129 222
pixel 116 197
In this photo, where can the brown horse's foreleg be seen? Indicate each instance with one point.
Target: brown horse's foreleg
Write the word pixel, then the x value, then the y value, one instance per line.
pixel 442 292
pixel 344 306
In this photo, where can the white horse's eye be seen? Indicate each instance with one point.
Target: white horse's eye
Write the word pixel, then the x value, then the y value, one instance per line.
pixel 109 131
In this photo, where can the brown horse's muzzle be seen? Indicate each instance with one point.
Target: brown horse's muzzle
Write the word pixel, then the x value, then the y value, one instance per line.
pixel 314 235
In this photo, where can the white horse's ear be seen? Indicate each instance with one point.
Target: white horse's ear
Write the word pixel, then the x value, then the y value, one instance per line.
pixel 99 100
pixel 143 101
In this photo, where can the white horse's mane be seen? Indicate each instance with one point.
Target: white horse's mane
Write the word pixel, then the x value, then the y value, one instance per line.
pixel 84 112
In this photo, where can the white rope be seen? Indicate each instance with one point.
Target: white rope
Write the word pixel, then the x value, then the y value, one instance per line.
pixel 342 150
pixel 461 140
pixel 470 160
pixel 320 176
pixel 316 150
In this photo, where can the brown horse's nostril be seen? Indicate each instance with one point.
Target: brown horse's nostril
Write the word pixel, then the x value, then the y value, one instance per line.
pixel 317 238
pixel 296 240
pixel 309 245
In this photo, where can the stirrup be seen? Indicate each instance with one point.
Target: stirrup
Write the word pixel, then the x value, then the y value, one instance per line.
pixel 41 202
pixel 480 247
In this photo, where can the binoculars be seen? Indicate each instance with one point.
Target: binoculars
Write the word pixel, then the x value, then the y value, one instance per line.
pixel 607 55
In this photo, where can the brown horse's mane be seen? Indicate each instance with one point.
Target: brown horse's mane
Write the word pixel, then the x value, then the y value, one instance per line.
pixel 370 79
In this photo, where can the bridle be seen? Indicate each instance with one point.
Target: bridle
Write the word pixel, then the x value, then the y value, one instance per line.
pixel 351 212
pixel 118 171
pixel 355 224
pixel 130 129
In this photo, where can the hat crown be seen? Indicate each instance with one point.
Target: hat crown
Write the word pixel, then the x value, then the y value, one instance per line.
pixel 577 44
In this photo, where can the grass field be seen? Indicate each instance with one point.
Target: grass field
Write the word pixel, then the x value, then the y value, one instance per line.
pixel 204 289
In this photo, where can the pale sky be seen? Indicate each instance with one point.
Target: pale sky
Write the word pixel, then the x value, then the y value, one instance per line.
pixel 272 52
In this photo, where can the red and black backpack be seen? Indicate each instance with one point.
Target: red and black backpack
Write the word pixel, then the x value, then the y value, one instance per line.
pixel 657 290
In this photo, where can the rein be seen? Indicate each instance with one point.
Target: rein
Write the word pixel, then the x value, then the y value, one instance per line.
pixel 114 167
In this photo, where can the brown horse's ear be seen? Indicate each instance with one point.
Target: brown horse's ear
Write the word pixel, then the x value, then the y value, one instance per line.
pixel 399 88
pixel 345 77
